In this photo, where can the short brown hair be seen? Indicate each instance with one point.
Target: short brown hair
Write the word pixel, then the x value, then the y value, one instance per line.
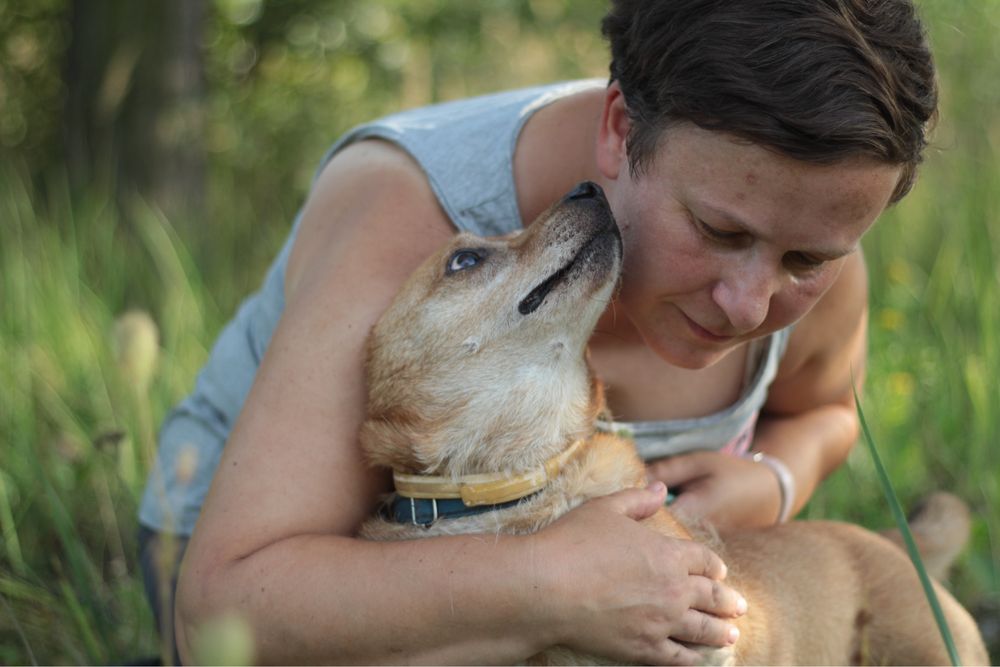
pixel 817 80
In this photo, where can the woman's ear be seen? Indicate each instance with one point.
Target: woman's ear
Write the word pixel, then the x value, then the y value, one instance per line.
pixel 613 133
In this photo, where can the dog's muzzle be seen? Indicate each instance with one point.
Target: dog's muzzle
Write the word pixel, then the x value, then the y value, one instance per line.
pixel 587 191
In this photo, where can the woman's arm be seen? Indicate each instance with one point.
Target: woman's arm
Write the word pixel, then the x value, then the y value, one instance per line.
pixel 471 599
pixel 275 539
pixel 809 419
pixel 808 422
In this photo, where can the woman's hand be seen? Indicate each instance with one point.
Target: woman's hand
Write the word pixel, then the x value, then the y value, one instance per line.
pixel 628 592
pixel 728 491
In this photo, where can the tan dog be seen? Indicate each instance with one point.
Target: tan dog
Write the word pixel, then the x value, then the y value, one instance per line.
pixel 480 398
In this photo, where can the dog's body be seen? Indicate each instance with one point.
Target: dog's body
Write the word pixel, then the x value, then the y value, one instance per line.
pixel 478 369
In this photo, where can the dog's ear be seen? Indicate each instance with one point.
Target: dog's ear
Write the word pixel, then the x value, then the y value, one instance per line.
pixel 384 435
pixel 386 442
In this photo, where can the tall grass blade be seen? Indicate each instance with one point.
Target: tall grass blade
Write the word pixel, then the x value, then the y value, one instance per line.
pixel 17 628
pixel 83 621
pixel 904 529
pixel 11 541
pixel 80 590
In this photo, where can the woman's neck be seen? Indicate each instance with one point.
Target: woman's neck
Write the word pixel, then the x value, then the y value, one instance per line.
pixel 556 150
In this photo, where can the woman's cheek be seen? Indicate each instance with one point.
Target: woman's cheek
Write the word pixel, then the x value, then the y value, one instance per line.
pixel 805 292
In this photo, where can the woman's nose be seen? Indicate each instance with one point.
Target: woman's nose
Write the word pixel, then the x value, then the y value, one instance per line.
pixel 745 296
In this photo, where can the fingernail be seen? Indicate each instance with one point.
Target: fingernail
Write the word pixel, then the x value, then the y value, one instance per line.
pixel 656 486
pixel 733 635
pixel 741 605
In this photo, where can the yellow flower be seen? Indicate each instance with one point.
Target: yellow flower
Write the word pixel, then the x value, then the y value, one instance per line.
pixel 890 319
pixel 899 272
pixel 901 384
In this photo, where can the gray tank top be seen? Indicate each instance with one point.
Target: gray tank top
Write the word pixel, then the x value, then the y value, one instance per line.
pixel 466 150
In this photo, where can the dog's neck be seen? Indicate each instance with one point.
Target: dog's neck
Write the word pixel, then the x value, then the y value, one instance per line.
pixel 423 499
pixel 419 435
pixel 484 489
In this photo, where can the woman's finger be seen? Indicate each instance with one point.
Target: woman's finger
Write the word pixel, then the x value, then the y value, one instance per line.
pixel 717 599
pixel 637 504
pixel 707 630
pixel 677 470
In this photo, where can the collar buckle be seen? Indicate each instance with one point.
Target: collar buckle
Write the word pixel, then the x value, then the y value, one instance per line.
pixel 413 512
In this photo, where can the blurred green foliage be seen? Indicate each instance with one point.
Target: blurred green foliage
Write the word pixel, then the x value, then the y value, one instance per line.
pixel 33 37
pixel 285 78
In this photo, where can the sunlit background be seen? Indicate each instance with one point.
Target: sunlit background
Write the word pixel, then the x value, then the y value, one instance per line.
pixel 153 154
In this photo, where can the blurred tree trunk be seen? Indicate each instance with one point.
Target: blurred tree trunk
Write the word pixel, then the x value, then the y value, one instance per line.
pixel 134 118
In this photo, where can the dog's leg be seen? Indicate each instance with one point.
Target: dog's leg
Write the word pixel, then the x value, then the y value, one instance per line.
pixel 909 636
pixel 896 625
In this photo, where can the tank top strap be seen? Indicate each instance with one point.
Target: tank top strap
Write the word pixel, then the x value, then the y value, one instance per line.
pixel 466 149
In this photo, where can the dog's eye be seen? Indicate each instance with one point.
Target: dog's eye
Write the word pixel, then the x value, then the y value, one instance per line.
pixel 463 259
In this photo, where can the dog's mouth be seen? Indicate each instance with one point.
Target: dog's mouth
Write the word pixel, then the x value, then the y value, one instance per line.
pixel 536 296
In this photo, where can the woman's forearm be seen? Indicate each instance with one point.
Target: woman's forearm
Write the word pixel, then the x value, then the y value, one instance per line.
pixel 319 598
pixel 597 580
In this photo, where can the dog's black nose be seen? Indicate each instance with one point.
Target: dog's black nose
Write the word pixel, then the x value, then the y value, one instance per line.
pixel 585 190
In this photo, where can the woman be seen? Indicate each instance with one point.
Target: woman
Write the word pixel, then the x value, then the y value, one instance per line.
pixel 745 148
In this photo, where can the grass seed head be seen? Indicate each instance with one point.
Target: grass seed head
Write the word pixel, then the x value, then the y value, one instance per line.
pixel 137 347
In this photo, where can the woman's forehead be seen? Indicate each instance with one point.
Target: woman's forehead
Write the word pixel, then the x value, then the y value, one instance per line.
pixel 752 185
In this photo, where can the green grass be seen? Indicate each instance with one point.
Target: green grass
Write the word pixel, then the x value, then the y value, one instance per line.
pixel 77 427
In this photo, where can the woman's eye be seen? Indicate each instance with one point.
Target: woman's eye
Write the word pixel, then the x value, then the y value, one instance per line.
pixel 718 234
pixel 463 259
pixel 804 261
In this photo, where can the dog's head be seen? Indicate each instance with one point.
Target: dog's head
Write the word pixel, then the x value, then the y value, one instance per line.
pixel 478 365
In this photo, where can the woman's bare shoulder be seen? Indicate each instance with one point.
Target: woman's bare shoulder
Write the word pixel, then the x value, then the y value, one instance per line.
pixel 371 197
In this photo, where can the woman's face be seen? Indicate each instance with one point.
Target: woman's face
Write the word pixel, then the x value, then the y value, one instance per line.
pixel 726 241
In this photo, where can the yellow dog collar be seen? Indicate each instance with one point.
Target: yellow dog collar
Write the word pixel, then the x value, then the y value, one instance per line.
pixel 484 489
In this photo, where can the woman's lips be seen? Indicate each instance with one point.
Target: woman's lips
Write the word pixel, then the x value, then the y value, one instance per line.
pixel 705 334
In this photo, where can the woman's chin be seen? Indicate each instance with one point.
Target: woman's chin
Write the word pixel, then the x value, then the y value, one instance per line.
pixel 691 356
